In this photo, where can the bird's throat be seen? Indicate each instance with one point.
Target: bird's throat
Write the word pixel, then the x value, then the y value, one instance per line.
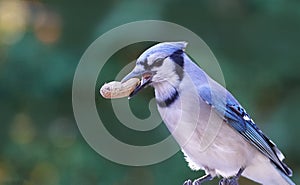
pixel 166 95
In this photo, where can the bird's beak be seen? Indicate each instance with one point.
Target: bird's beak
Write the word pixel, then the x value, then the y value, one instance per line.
pixel 134 73
pixel 146 80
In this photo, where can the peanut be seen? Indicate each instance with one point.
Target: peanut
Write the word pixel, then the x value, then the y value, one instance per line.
pixel 117 89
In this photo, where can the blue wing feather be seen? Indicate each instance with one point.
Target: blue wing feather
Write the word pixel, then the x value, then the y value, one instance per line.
pixel 234 114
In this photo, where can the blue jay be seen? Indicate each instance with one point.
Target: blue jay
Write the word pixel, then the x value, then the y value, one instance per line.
pixel 212 128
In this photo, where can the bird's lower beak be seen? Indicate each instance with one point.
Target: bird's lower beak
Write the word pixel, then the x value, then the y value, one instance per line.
pixel 146 80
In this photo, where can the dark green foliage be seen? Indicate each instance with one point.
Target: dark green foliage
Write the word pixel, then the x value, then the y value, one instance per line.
pixel 255 42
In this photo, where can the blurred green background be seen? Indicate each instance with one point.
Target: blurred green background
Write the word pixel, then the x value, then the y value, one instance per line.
pixel 41 43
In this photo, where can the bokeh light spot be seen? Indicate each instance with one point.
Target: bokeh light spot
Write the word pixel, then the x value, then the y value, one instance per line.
pixel 4 173
pixel 13 21
pixel 22 129
pixel 44 173
pixel 47 26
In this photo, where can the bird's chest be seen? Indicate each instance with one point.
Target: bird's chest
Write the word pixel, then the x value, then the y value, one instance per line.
pixel 185 116
pixel 203 136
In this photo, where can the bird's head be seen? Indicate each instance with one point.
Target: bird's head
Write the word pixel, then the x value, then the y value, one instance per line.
pixel 160 64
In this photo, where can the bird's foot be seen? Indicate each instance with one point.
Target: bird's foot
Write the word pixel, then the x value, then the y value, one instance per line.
pixel 233 180
pixel 188 182
pixel 229 181
pixel 199 181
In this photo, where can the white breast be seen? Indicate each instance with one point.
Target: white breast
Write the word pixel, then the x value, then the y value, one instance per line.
pixel 207 141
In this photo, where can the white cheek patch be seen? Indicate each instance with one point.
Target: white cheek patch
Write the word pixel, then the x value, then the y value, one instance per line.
pixel 166 72
pixel 165 69
pixel 167 65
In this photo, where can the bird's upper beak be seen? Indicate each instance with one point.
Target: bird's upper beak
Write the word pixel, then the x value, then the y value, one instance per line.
pixel 146 80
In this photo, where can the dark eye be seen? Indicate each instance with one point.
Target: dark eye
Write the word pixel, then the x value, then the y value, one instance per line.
pixel 158 62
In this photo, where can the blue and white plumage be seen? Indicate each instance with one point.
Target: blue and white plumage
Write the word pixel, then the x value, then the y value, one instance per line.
pixel 213 130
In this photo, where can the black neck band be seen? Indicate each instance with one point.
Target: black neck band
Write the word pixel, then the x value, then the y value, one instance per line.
pixel 167 102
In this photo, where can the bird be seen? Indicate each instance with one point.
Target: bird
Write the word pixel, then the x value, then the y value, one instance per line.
pixel 213 130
